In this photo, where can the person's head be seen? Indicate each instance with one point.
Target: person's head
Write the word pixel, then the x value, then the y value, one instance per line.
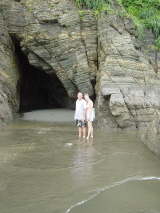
pixel 79 95
pixel 86 97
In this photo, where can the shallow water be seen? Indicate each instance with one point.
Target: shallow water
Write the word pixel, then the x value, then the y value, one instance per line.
pixel 44 168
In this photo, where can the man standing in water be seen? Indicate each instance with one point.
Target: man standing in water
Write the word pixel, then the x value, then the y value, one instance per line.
pixel 80 115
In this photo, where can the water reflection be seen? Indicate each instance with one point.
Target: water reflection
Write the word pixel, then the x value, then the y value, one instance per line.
pixel 83 158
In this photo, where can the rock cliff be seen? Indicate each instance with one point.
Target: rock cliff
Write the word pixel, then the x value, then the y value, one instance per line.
pixel 57 39
pixel 127 86
pixel 99 55
pixel 9 100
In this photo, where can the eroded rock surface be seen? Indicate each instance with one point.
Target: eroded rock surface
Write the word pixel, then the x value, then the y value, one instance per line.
pixel 8 76
pixel 128 91
pixel 58 39
pixel 151 135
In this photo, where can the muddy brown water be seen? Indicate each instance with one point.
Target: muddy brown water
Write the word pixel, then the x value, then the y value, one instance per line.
pixel 44 168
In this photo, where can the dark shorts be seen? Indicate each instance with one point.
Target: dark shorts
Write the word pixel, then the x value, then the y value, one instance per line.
pixel 80 123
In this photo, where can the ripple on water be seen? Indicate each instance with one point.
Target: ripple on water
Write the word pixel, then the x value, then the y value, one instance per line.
pixel 131 195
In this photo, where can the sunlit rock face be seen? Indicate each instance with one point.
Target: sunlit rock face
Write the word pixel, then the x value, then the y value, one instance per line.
pixel 78 52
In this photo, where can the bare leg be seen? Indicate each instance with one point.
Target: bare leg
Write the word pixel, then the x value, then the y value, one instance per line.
pixel 80 132
pixel 84 132
pixel 89 129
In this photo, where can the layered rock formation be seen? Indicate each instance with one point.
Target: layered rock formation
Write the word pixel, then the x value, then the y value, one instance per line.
pixel 151 135
pixel 81 50
pixel 57 39
pixel 9 100
pixel 127 86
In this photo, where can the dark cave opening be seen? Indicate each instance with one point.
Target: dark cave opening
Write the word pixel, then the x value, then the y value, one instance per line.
pixel 36 88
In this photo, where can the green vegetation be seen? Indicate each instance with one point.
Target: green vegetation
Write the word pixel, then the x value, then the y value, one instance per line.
pixel 97 6
pixel 146 15
pixel 91 4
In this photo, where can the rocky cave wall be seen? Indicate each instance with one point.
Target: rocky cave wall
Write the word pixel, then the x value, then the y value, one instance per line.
pixel 82 50
pixel 38 89
pixel 9 99
pixel 56 39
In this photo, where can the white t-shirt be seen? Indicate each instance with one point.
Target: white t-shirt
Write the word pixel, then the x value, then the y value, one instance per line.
pixel 80 109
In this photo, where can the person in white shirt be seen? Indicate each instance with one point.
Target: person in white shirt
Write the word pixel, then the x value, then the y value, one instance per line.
pixel 79 115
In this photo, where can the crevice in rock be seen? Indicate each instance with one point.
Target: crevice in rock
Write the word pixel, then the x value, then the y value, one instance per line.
pixel 129 110
pixel 90 60
pixel 53 21
pixel 116 29
pixel 83 41
pixel 112 120
pixel 97 49
pixel 93 82
pixel 38 89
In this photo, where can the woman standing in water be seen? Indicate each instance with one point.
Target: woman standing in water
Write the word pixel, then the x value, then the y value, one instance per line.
pixel 90 115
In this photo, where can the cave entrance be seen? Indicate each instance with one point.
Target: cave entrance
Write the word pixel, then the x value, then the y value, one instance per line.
pixel 36 88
